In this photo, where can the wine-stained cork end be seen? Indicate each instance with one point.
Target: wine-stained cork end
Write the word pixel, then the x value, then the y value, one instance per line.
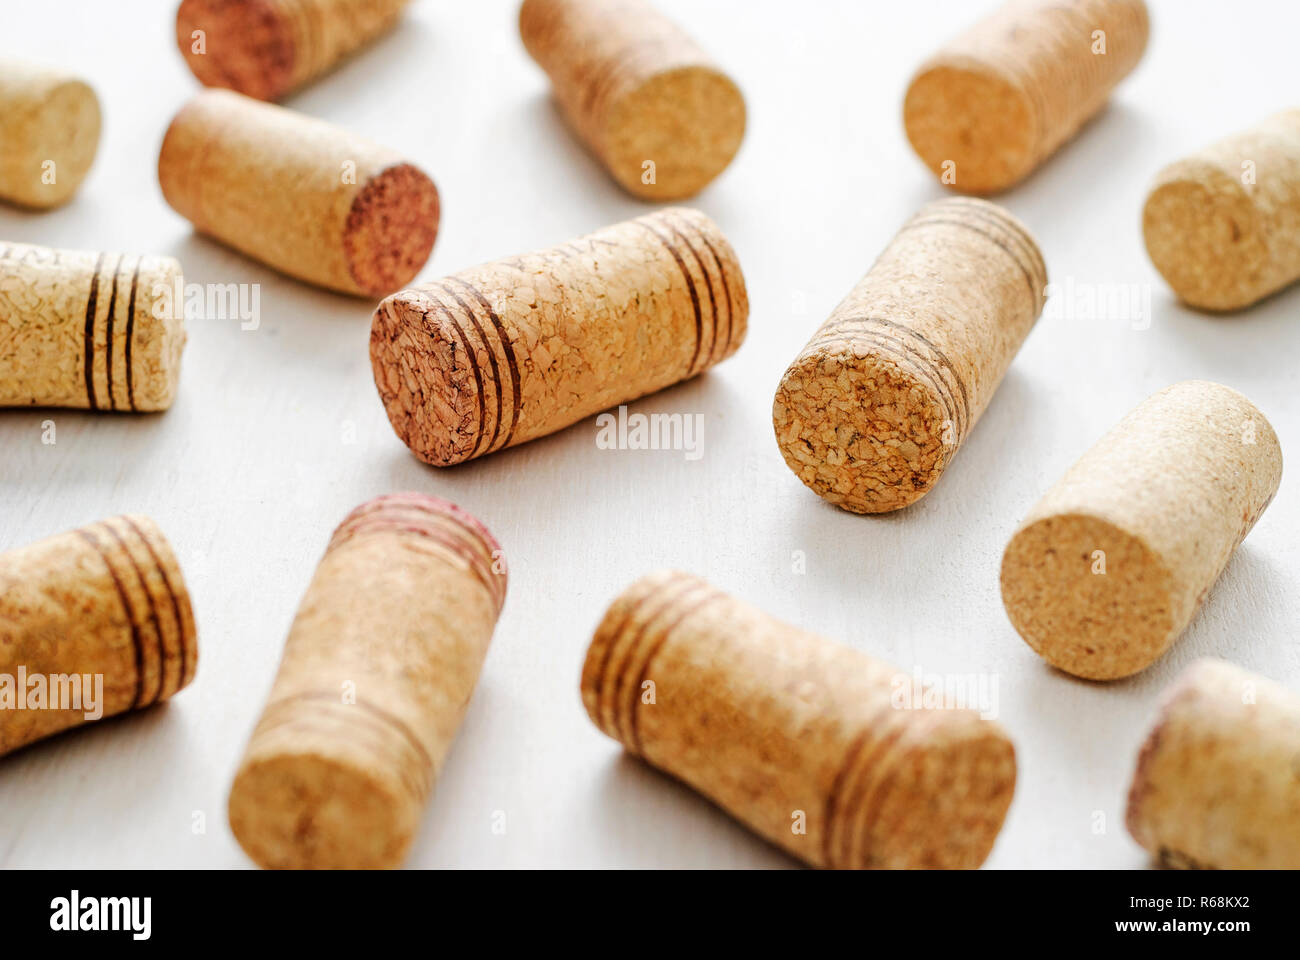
pixel 243 45
pixel 391 229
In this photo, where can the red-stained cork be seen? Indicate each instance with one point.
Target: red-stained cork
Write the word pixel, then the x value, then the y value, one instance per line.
pixel 378 670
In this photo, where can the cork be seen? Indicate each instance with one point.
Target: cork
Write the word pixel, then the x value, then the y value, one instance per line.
pixel 96 331
pixel 303 196
pixel 642 96
pixel 1223 225
pixel 806 742
pixel 377 672
pixel 266 48
pixel 49 133
pixel 1006 94
pixel 874 408
pixel 1109 568
pixel 1217 783
pixel 98 613
pixel 513 350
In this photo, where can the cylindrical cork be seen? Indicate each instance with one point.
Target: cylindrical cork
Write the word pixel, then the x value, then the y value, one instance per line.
pixel 880 400
pixel 266 48
pixel 648 102
pixel 377 672
pixel 1217 783
pixel 1223 225
pixel 513 350
pixel 49 133
pixel 816 747
pixel 299 194
pixel 99 331
pixel 93 622
pixel 1110 566
pixel 1005 95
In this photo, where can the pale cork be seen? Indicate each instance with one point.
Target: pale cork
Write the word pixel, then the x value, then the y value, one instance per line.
pixel 1223 225
pixel 637 91
pixel 783 729
pixel 105 600
pixel 266 48
pixel 1002 97
pixel 378 670
pixel 303 196
pixel 97 331
pixel 513 350
pixel 1109 568
pixel 1217 783
pixel 49 133
pixel 874 408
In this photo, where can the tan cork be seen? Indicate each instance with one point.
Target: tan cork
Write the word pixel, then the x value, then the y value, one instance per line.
pixel 1108 569
pixel 814 746
pixel 266 48
pixel 513 350
pixel 872 411
pixel 379 667
pixel 49 133
pixel 1003 96
pixel 648 102
pixel 97 331
pixel 301 195
pixel 1223 225
pixel 1217 783
pixel 103 603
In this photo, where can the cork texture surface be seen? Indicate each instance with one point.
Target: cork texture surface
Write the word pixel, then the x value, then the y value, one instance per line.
pixel 49 133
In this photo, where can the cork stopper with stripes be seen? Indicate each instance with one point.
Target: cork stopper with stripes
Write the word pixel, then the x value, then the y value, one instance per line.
pixel 100 612
pixel 872 411
pixel 818 748
pixel 49 134
pixel 513 350
pixel 379 667
pixel 98 331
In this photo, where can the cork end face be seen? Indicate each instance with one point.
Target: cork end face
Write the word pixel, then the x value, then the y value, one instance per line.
pixel 1203 233
pixel 243 45
pixel 672 134
pixel 390 229
pixel 973 128
pixel 61 144
pixel 1088 597
pixel 862 428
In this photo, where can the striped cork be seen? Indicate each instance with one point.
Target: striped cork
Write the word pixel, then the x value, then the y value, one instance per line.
pixel 1109 568
pixel 105 603
pixel 643 97
pixel 266 48
pixel 302 196
pixel 97 331
pixel 379 667
pixel 49 134
pixel 814 746
pixel 1003 96
pixel 874 408
pixel 513 350
pixel 1223 225
pixel 1217 783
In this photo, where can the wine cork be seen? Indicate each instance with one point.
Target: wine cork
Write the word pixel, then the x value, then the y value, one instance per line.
pixel 648 102
pixel 266 48
pixel 301 195
pixel 1002 97
pixel 97 331
pixel 93 622
pixel 377 672
pixel 1217 783
pixel 872 411
pixel 812 745
pixel 49 133
pixel 509 351
pixel 1223 225
pixel 1110 566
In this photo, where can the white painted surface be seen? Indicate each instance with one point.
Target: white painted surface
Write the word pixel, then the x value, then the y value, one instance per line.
pixel 248 473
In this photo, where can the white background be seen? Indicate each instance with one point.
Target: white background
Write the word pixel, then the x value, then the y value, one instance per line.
pixel 248 473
